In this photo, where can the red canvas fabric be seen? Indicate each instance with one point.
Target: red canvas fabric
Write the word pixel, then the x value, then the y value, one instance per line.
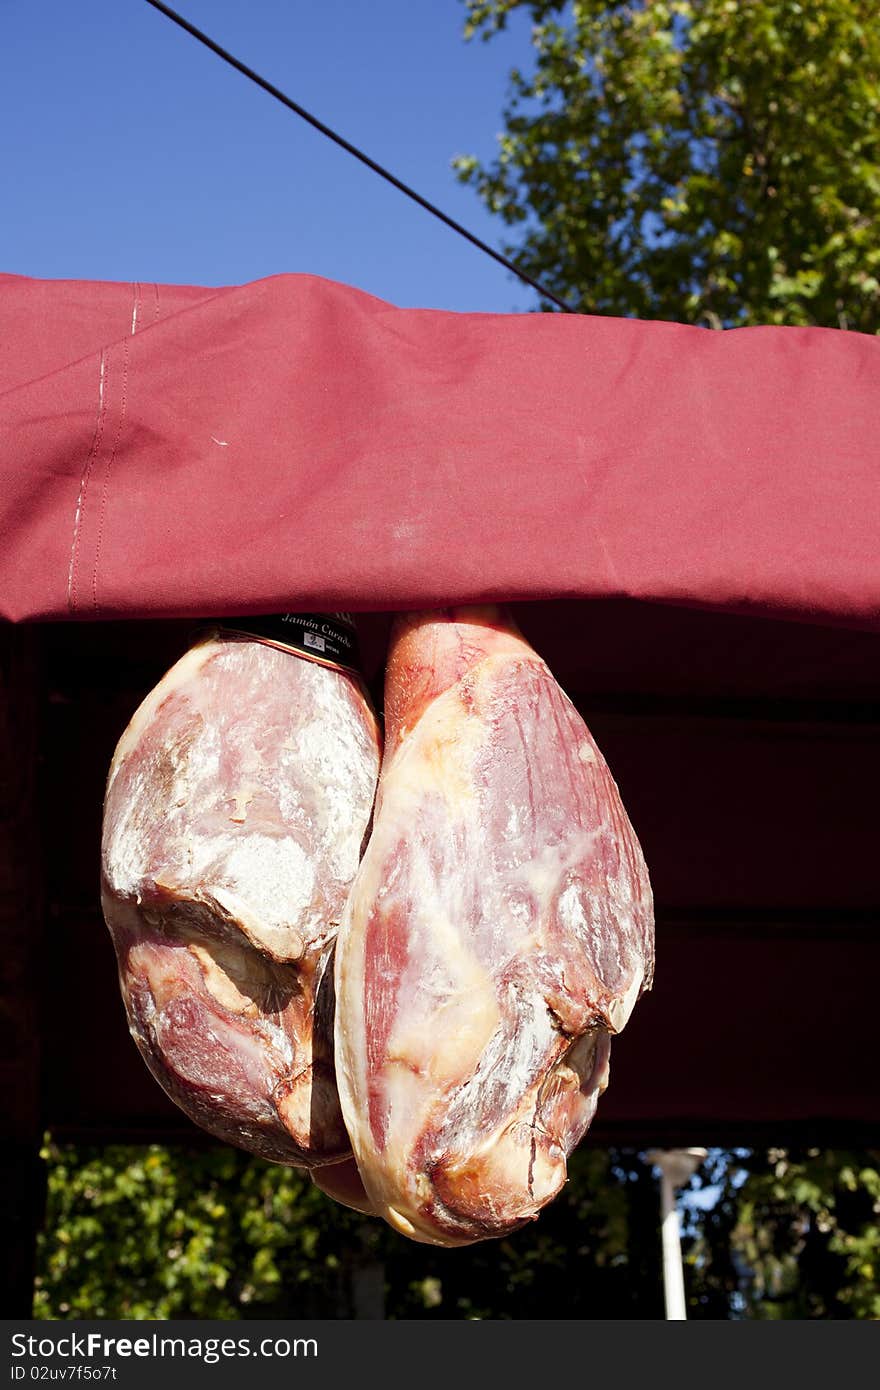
pixel 168 451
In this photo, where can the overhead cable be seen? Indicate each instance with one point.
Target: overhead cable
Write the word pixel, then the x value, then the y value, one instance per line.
pixel 353 150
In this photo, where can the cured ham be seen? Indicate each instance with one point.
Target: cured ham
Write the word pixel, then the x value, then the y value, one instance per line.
pixel 498 932
pixel 236 809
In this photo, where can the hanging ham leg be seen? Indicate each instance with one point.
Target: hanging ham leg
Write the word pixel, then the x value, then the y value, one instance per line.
pixel 499 930
pixel 236 808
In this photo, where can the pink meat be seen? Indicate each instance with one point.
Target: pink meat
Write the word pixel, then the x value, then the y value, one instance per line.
pixel 499 930
pixel 237 804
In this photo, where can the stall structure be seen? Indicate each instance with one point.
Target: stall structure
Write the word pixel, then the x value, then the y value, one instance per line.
pixel 685 524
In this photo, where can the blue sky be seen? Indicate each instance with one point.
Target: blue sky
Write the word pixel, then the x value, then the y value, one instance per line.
pixel 129 152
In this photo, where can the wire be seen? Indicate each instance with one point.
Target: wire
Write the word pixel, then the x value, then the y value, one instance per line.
pixel 358 154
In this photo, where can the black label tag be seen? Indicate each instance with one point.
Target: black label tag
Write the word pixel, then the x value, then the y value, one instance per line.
pixel 328 638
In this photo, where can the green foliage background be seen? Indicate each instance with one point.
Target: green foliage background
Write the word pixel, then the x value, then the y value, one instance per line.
pixel 168 1233
pixel 164 1232
pixel 799 1229
pixel 713 161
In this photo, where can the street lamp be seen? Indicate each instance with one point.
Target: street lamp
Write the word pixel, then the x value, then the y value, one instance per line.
pixel 676 1166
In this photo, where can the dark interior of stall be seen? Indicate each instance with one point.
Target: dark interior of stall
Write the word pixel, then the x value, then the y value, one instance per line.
pixel 747 752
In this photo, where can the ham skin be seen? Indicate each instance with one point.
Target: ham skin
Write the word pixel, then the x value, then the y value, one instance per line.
pixel 236 808
pixel 498 932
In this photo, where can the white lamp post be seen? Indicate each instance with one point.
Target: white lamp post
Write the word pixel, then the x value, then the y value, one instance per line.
pixel 676 1166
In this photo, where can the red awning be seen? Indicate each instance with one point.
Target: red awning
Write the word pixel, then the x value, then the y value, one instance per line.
pixel 169 451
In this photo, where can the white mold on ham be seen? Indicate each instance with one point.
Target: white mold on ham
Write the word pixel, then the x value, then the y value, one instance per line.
pixel 498 932
pixel 236 809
